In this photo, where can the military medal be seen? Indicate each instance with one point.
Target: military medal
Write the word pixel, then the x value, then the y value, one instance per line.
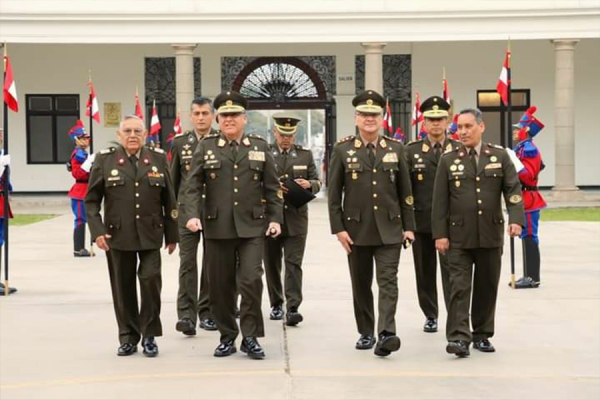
pixel 114 172
pixel 354 159
pixel 461 167
pixel 183 152
pixel 457 161
pixel 212 157
pixel 457 183
pixel 493 158
pixel 189 152
pixel 420 177
pixel 416 156
pixel 453 168
pixel 187 167
pixel 213 175
pixel 154 169
pixel 348 159
pixel 255 177
pixel 354 175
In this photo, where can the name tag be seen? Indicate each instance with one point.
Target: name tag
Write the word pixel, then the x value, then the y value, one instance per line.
pixel 419 165
pixel 493 166
pixel 256 155
pixel 354 166
pixel 300 167
pixel 209 162
pixel 113 178
pixel 390 157
pixel 458 173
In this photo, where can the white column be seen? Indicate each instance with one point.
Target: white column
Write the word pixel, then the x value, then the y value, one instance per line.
pixel 374 66
pixel 564 116
pixel 184 78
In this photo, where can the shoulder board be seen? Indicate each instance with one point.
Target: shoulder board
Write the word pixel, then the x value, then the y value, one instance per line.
pixel 157 150
pixel 497 146
pixel 180 135
pixel 252 136
pixel 212 135
pixel 347 138
pixel 107 151
pixel 298 147
pixel 413 142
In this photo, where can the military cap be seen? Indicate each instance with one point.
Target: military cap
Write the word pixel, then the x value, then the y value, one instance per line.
pixel 369 102
pixel 435 107
pixel 78 131
pixel 286 126
pixel 230 102
pixel 297 195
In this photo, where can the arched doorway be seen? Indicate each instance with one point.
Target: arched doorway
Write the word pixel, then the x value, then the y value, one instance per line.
pixel 289 85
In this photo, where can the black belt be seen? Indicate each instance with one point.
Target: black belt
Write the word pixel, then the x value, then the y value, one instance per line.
pixel 529 188
pixel 81 181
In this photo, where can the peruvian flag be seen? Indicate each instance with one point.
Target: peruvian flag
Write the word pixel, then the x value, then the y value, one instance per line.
pixel 387 119
pixel 92 104
pixel 417 114
pixel 400 135
pixel 10 89
pixel 503 81
pixel 446 92
pixel 154 121
pixel 177 125
pixel 138 108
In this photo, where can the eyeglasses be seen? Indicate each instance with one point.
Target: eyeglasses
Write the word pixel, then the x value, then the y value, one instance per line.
pixel 130 131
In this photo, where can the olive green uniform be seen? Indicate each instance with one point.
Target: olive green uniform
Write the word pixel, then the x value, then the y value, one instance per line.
pixel 423 157
pixel 372 201
pixel 189 303
pixel 297 163
pixel 467 210
pixel 139 210
pixel 234 179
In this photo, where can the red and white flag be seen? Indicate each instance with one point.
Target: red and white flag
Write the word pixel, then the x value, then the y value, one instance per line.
pixel 154 121
pixel 92 104
pixel 387 120
pixel 177 125
pixel 138 108
pixel 417 114
pixel 446 91
pixel 504 80
pixel 10 89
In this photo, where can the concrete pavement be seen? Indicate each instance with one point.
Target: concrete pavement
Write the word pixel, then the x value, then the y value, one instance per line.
pixel 58 335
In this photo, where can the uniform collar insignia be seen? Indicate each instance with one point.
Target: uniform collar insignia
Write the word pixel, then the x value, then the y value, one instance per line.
pixel 425 148
pixel 246 141
pixel 383 143
pixel 357 143
pixel 449 147
pixel 221 143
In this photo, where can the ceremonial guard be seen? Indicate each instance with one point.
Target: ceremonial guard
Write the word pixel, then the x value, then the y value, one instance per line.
pixel 371 213
pixel 4 162
pixel 531 158
pixel 80 169
pixel 467 224
pixel 190 305
pixel 423 157
pixel 295 166
pixel 132 184
pixel 232 173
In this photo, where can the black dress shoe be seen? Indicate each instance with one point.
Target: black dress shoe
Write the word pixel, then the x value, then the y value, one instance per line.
pixel 430 325
pixel 525 283
pixel 208 324
pixel 252 348
pixel 150 347
pixel 365 342
pixel 127 349
pixel 10 290
pixel 387 343
pixel 225 349
pixel 81 253
pixel 459 348
pixel 293 317
pixel 186 326
pixel 484 345
pixel 276 313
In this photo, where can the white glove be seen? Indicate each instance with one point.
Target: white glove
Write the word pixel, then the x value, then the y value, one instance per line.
pixel 515 160
pixel 5 160
pixel 87 164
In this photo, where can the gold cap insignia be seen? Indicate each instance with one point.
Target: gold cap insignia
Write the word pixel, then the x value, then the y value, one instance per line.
pixel 229 103
pixel 436 107
pixel 369 102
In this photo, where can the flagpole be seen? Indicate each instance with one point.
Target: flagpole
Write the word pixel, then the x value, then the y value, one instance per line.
pixel 6 178
pixel 509 144
pixel 90 102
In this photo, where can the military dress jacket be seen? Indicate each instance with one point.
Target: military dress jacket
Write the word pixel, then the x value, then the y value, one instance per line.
pixel 373 202
pixel 233 188
pixel 298 163
pixel 467 205
pixel 422 164
pixel 139 208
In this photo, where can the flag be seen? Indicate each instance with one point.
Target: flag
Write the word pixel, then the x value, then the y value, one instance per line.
pixel 502 85
pixel 453 128
pixel 422 132
pixel 138 107
pixel 177 126
pixel 387 119
pixel 400 135
pixel 154 121
pixel 446 92
pixel 92 104
pixel 10 89
pixel 417 114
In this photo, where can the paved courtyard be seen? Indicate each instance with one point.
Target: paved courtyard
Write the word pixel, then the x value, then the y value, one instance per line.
pixel 58 335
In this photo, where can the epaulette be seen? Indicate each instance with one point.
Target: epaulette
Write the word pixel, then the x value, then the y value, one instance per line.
pixel 529 150
pixel 497 146
pixel 253 136
pixel 212 135
pixel 413 142
pixel 298 147
pixel 108 151
pixel 347 138
pixel 157 150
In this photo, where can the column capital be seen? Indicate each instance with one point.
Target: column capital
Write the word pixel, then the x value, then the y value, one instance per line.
pixel 184 48
pixel 373 47
pixel 564 44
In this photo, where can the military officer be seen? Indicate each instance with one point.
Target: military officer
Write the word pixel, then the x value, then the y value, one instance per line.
pixel 190 305
pixel 139 210
pixel 423 157
pixel 371 212
pixel 293 161
pixel 467 224
pixel 235 172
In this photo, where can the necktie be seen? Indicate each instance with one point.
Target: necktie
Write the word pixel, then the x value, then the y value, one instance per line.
pixel 371 151
pixel 437 150
pixel 284 157
pixel 133 158
pixel 234 148
pixel 473 157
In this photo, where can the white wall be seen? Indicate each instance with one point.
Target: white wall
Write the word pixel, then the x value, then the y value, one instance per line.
pixel 117 69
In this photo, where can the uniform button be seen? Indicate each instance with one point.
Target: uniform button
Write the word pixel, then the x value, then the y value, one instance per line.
pixel 235 178
pixel 235 203
pixel 374 195
pixel 137 195
pixel 137 184
pixel 477 179
pixel 348 218
pixel 374 183
pixel 235 190
pixel 478 190
pixel 479 201
pixel 137 217
pixel 480 212
pixel 374 170
pixel 203 196
pixel 285 207
pixel 137 206
pixel 375 208
pixel 111 226
pixel 235 166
